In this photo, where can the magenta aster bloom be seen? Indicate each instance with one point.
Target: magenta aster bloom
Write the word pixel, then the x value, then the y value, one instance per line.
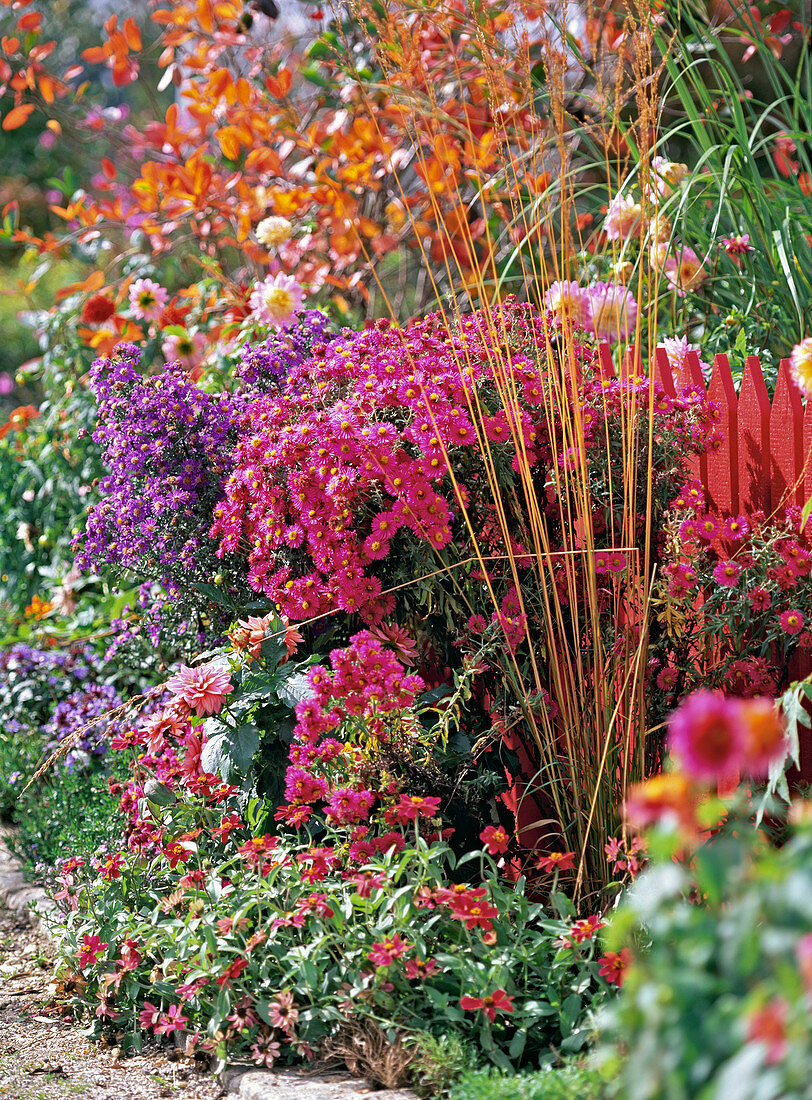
pixel 147 299
pixel 760 599
pixel 203 689
pixel 727 573
pixel 610 311
pixel 708 736
pixel 792 621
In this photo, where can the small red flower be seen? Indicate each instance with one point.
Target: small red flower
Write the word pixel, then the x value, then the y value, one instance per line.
pixel 557 861
pixel 613 966
pixel 385 952
pixel 498 1001
pixel 495 839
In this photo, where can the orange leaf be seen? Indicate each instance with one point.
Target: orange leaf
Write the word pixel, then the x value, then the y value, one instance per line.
pixel 17 116
pixel 47 88
pixel 9 44
pixel 279 85
pixel 54 126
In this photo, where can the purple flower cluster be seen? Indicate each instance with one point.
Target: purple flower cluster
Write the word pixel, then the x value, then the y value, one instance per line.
pixel 85 705
pixel 30 680
pixel 167 446
pixel 266 366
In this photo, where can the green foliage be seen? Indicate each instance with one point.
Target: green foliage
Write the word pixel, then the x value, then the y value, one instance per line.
pixel 716 1003
pixel 571 1082
pixel 64 812
pixel 318 928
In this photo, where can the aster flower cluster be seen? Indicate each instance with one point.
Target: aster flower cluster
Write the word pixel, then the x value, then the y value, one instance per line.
pixel 369 682
pixel 84 710
pixel 265 366
pixel 350 462
pixel 743 581
pixel 166 444
pixel 30 680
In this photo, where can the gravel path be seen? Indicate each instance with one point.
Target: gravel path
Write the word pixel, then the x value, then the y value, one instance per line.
pixel 43 1057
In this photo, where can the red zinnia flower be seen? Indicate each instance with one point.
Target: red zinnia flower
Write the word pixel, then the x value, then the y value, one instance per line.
pixel 495 839
pixel 613 966
pixel 498 1001
pixel 561 861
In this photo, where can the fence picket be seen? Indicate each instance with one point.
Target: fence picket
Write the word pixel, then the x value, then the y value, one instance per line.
pixel 723 463
pixel 754 440
pixel 786 442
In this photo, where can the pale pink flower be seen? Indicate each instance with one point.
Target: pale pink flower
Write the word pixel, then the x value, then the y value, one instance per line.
pixel 566 301
pixel 274 300
pixel 667 175
pixel 677 348
pixel 183 349
pixel 202 690
pixel 610 311
pixel 800 362
pixel 623 220
pixel 147 299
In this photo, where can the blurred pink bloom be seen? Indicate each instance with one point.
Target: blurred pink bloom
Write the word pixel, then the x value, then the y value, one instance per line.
pixel 183 349
pixel 274 300
pixel 707 736
pixel 623 218
pixel 610 311
pixel 684 271
pixel 147 299
pixel 768 1026
pixel 566 300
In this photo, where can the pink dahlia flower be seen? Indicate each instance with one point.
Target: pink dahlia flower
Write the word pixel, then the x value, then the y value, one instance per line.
pixel 275 298
pixel 566 300
pixel 610 311
pixel 624 217
pixel 202 690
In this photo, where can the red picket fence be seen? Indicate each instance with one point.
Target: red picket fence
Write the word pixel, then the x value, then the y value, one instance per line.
pixel 765 460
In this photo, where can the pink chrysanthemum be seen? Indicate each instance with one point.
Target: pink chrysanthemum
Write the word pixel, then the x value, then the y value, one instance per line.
pixel 677 348
pixel 275 298
pixel 707 735
pixel 610 311
pixel 147 299
pixel 201 690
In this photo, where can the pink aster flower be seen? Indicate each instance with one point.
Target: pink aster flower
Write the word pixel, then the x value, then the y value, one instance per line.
pixel 147 299
pixel 792 621
pixel 610 311
pixel 707 735
pixel 275 298
pixel 727 574
pixel 760 599
pixel 566 300
pixel 202 689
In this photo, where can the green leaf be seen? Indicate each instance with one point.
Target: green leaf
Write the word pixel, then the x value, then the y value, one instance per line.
pixel 294 689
